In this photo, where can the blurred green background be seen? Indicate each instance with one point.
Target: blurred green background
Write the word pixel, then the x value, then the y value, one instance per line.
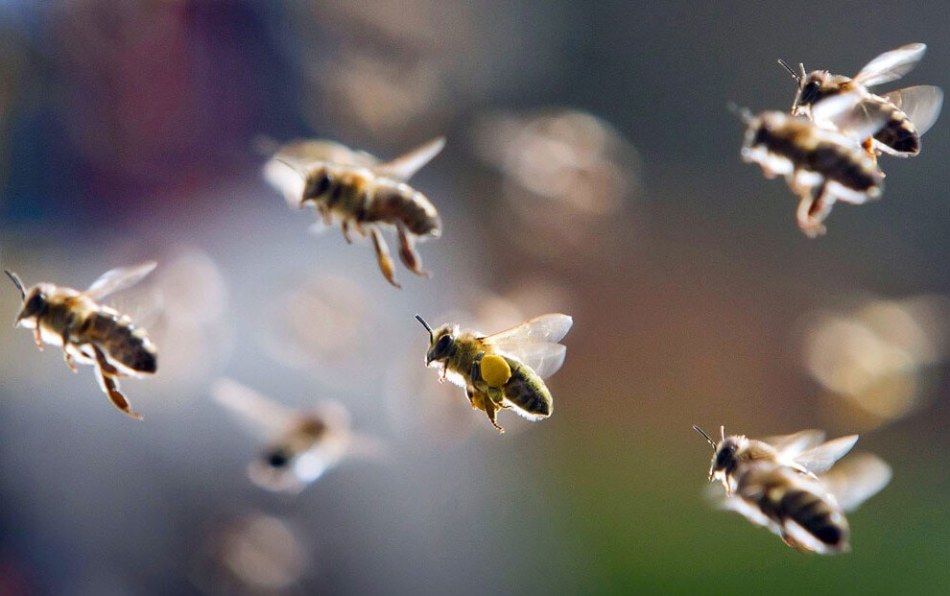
pixel 591 168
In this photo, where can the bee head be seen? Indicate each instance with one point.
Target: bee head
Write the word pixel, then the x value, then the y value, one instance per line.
pixel 34 299
pixel 724 460
pixel 441 342
pixel 317 183
pixel 277 458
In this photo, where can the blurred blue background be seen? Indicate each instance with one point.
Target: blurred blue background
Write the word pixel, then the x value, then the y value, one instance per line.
pixel 591 168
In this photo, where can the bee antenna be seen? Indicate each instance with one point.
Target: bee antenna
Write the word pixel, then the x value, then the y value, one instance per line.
pixel 722 432
pixel 16 280
pixel 792 72
pixel 426 325
pixel 705 436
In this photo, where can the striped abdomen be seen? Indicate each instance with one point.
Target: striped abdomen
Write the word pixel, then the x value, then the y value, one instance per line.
pixel 788 499
pixel 527 391
pixel 122 341
pixel 808 147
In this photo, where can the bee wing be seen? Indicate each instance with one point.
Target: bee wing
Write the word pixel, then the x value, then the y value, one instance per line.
pixel 534 342
pixel 406 165
pixel 118 279
pixel 848 114
pixel 308 152
pixel 261 415
pixel 921 103
pixel 820 459
pixel 891 66
pixel 795 443
pixel 857 479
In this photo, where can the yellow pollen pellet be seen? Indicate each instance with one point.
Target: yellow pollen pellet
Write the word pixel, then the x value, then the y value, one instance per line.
pixel 495 370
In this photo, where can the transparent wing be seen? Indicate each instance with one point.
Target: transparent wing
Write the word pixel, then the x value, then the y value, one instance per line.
pixel 119 279
pixel 848 113
pixel 535 342
pixel 307 152
pixel 262 416
pixel 891 66
pixel 857 479
pixel 820 459
pixel 406 165
pixel 922 104
pixel 793 444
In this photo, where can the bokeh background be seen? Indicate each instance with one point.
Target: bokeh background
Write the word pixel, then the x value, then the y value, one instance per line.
pixel 591 168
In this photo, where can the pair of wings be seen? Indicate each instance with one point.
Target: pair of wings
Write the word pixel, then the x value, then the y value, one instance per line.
pixel 921 103
pixel 291 164
pixel 535 343
pixel 118 279
pixel 851 482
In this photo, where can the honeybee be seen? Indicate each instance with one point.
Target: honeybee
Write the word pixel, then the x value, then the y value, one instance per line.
pixel 363 194
pixel 504 370
pixel 787 485
pixel 301 445
pixel 88 332
pixel 905 114
pixel 820 165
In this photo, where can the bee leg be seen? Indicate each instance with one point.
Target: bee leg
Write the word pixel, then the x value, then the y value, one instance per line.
pixel 345 226
pixel 445 371
pixel 482 402
pixel 37 336
pixel 382 256
pixel 67 356
pixel 868 146
pixel 324 214
pixel 407 252
pixel 812 210
pixel 110 386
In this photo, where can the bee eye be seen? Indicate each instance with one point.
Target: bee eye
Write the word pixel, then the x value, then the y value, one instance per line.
pixel 34 304
pixel 277 458
pixel 321 184
pixel 724 457
pixel 810 93
pixel 442 345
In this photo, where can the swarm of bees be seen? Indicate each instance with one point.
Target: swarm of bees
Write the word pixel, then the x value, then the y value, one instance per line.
pixel 826 148
pixel 787 485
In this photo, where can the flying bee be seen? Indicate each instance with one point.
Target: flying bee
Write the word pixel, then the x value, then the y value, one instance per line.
pixel 300 445
pixel 905 114
pixel 504 370
pixel 820 165
pixel 362 194
pixel 786 484
pixel 88 332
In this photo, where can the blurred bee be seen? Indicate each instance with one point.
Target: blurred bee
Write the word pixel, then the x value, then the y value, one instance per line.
pixel 820 165
pixel 787 485
pixel 301 445
pixel 504 370
pixel 362 194
pixel 88 332
pixel 905 114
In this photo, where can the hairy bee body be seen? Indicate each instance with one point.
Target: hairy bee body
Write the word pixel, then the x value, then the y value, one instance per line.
pixel 523 388
pixel 359 196
pixel 70 315
pixel 88 332
pixel 798 509
pixel 504 370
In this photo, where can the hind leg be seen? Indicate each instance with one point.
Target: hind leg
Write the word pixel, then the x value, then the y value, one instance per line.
pixel 110 385
pixel 407 252
pixel 813 209
pixel 382 256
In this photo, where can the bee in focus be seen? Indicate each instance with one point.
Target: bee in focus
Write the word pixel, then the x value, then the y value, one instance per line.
pixel 905 114
pixel 504 370
pixel 300 445
pixel 787 484
pixel 362 194
pixel 88 332
pixel 820 165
